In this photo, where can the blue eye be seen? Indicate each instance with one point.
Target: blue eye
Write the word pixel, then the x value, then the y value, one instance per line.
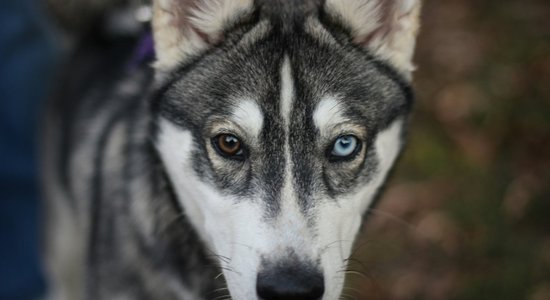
pixel 344 147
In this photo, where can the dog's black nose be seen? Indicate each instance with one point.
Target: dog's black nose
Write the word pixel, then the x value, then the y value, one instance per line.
pixel 296 282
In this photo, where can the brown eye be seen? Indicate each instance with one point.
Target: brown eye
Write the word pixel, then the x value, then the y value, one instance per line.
pixel 228 145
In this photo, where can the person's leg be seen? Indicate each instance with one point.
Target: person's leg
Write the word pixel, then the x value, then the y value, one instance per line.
pixel 26 69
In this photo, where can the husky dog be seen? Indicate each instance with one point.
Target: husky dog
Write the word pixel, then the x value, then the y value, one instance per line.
pixel 251 149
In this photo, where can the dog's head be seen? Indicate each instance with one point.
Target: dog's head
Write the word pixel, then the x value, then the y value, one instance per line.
pixel 278 122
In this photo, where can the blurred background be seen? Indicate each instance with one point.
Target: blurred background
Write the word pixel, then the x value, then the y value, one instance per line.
pixel 28 59
pixel 466 214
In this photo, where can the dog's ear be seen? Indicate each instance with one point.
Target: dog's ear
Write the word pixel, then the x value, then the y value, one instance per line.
pixel 388 28
pixel 183 28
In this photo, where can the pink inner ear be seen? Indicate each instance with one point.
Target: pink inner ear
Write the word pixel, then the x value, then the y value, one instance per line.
pixel 387 11
pixel 210 40
pixel 182 12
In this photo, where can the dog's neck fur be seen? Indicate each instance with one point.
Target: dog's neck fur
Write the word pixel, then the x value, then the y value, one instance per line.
pixel 178 260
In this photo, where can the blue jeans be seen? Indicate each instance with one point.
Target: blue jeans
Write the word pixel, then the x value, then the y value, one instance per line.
pixel 27 59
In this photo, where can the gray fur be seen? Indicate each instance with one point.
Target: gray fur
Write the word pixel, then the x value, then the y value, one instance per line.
pixel 102 168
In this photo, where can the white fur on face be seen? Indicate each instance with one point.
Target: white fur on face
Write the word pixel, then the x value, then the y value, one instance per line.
pixel 236 229
pixel 328 114
pixel 248 115
pixel 339 220
pixel 228 228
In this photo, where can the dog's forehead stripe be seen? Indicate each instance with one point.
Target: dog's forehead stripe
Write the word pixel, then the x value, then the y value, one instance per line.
pixel 287 91
pixel 288 194
pixel 287 95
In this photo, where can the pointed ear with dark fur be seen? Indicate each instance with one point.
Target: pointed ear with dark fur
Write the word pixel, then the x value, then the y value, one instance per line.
pixel 183 28
pixel 388 28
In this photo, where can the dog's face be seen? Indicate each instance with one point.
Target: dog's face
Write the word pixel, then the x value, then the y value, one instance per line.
pixel 277 126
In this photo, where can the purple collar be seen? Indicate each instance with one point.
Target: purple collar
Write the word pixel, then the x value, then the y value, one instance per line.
pixel 144 51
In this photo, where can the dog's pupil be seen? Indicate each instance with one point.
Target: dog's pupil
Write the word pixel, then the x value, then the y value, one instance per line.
pixel 345 142
pixel 229 144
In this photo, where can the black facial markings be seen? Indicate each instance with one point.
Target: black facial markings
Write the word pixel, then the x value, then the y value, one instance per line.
pixel 272 137
pixel 303 140
pixel 372 92
pixel 272 168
